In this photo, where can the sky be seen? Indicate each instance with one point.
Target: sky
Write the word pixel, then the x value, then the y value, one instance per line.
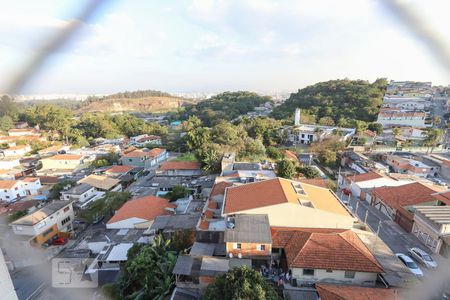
pixel 218 45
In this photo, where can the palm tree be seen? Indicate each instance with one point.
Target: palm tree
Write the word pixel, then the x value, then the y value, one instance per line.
pixel 396 131
pixel 433 137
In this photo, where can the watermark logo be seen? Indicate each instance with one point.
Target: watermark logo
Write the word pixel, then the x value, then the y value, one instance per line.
pixel 73 273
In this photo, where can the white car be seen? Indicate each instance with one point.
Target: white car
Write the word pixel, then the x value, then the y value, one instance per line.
pixel 422 257
pixel 410 264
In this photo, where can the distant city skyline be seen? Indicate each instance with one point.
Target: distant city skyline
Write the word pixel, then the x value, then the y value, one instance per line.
pixel 207 46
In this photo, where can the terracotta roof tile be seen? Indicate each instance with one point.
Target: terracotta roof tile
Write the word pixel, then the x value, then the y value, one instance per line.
pixel 30 179
pixel 364 177
pixel 316 182
pixel 290 154
pixel 8 184
pixel 155 152
pixel 219 188
pixel 49 179
pixel 212 205
pixel 135 153
pixel 147 208
pixel 348 292
pixel 180 165
pixel 208 214
pixel 119 169
pixel 404 195
pixel 339 250
pixel 204 225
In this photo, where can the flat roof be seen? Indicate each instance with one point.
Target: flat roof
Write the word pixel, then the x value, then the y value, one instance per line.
pixel 203 249
pixel 248 229
pixel 41 214
pixel 176 222
pixel 79 189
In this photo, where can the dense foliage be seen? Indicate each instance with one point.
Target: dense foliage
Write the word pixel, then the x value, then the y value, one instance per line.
pixel 226 106
pixel 240 283
pixel 336 101
pixel 308 172
pixel 129 95
pixel 286 168
pixel 148 271
pixel 17 215
pixel 177 192
pixel 105 206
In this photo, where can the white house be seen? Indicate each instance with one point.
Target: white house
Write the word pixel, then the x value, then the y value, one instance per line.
pixel 144 139
pixel 9 163
pixel 12 190
pixel 19 150
pixel 46 222
pixel 408 103
pixel 79 193
pixel 394 117
pixel 307 133
pixel 140 213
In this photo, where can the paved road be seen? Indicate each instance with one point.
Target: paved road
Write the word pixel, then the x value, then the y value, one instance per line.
pixel 29 281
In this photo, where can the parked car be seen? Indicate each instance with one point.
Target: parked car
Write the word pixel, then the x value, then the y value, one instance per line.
pixel 410 264
pixel 422 257
pixel 346 191
pixel 59 241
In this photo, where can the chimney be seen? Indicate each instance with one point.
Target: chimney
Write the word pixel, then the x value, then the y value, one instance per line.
pixel 297 116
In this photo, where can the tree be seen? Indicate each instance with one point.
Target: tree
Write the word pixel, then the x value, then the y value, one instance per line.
pixel 8 107
pixel 286 169
pixel 375 127
pixel 437 120
pixel 148 271
pixel 433 136
pixel 309 172
pixel 57 188
pixel 274 153
pixel 6 123
pixel 240 283
pixel 197 138
pixel 327 121
pixel 177 192
pixel 326 150
pixel 396 131
pixel 105 206
pixel 211 159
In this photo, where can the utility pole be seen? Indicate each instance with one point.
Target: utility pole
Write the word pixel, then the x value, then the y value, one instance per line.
pixel 365 218
pixel 337 180
pixel 378 229
pixel 356 210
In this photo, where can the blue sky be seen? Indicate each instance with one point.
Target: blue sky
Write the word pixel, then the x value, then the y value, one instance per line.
pixel 212 46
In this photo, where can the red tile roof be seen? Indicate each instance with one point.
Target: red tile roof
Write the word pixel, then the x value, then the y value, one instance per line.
pixel 212 205
pixel 204 225
pixel 7 184
pixel 339 250
pixel 180 165
pixel 349 292
pixel 443 197
pixel 208 214
pixel 135 153
pixel 30 179
pixel 404 195
pixel 49 179
pixel 219 188
pixel 263 193
pixel 19 147
pixel 290 154
pixel 147 208
pixel 364 177
pixel 119 169
pixel 156 152
pixel 66 157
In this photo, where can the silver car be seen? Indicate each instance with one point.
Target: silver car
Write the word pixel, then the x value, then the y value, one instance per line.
pixel 410 264
pixel 422 257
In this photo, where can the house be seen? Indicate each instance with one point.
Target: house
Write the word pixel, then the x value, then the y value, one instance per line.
pixel 53 150
pixel 432 226
pixel 325 255
pixel 15 151
pixel 398 202
pixel 9 163
pixel 140 212
pixel 440 160
pixel 249 236
pixel 102 183
pixel 288 203
pixel 180 168
pixel 408 103
pixel 51 220
pixel 22 132
pixel 308 133
pixel 145 139
pixel 360 185
pixel 390 117
pixel 410 166
pixel 141 158
pixel 169 225
pixel 116 171
pixel 327 291
pixel 12 190
pixel 62 162
pixel 80 194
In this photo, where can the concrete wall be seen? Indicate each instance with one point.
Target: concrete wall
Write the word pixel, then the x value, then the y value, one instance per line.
pixel 9 195
pixel 248 249
pixel 48 163
pixel 361 278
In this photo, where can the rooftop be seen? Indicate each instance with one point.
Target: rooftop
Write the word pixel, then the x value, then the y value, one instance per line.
pixel 147 208
pixel 343 292
pixel 278 191
pixel 405 195
pixel 180 165
pixel 41 214
pixel 100 182
pixel 119 169
pixel 364 177
pixel 437 214
pixel 175 222
pixel 8 184
pixel 325 249
pixel 78 189
pixel 246 166
pixel 66 157
pixel 248 229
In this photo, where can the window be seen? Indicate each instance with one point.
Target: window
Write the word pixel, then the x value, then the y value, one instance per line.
pixel 47 232
pixel 65 221
pixel 19 228
pixel 329 271
pixel 349 274
pixel 261 247
pixel 308 272
pixel 130 160
pixel 237 246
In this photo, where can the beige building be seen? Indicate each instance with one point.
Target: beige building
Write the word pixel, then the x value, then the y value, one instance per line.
pixel 62 162
pixel 432 227
pixel 288 203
